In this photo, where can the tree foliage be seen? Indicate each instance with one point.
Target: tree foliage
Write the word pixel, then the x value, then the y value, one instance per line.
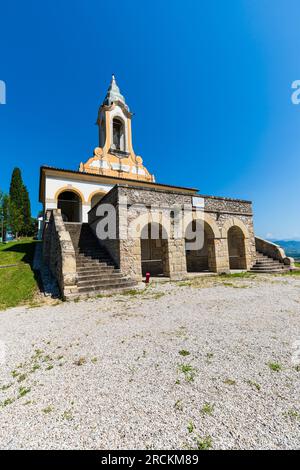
pixel 19 210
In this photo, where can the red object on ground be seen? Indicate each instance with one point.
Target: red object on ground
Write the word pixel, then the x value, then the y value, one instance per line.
pixel 147 278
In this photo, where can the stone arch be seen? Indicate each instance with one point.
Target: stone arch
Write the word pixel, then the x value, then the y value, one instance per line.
pixel 95 197
pixel 202 216
pixel 70 204
pixel 234 221
pixel 236 242
pixel 72 189
pixel 201 251
pixel 154 246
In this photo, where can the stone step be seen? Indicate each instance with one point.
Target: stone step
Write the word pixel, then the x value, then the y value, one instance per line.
pixel 268 263
pixel 108 286
pixel 96 270
pixel 266 270
pixel 102 282
pixel 99 277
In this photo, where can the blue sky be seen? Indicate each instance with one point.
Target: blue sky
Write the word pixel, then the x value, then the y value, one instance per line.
pixel 209 83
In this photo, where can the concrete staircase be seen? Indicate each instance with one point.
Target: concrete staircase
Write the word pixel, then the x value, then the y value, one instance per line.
pixel 96 270
pixel 265 264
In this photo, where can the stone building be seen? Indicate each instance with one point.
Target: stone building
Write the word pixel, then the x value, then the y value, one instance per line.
pixel 76 204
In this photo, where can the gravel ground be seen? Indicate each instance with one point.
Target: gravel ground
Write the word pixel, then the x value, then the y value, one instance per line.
pixel 177 366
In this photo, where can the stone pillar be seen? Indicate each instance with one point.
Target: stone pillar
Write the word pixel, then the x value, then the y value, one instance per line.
pixel 222 255
pixel 176 259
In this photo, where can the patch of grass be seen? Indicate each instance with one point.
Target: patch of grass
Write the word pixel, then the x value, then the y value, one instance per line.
pixel 203 443
pixel 5 387
pixel 252 383
pixel 183 283
pixel 22 377
pixel 229 382
pixel 49 367
pixel 132 292
pixel 67 415
pixel 207 409
pixel 190 427
pixel 23 391
pixel 158 295
pixel 48 409
pixel 274 366
pixel 17 284
pixel 243 275
pixel 35 367
pixel 15 373
pixel 292 414
pixel 189 372
pixel 94 360
pixel 184 352
pixel 8 401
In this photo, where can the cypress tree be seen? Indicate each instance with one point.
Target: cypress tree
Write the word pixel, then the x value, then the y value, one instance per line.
pixel 19 198
pixel 26 210
pixel 16 187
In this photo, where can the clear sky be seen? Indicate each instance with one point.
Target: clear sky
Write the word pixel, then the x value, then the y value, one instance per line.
pixel 209 83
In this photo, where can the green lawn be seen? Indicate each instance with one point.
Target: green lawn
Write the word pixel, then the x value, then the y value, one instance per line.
pixel 17 284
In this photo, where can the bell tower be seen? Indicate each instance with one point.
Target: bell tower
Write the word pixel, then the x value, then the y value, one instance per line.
pixel 115 155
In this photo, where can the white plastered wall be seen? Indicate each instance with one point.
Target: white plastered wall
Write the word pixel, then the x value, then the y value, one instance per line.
pixel 54 184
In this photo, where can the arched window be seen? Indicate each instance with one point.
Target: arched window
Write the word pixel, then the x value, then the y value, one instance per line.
pixel 70 204
pixel 118 135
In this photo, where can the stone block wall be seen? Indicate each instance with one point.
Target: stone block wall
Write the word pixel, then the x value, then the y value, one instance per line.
pixel 273 251
pixel 132 208
pixel 59 253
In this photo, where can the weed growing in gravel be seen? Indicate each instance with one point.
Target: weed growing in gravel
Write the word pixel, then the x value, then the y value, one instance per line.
pixel 132 292
pixel 80 361
pixel 229 382
pixel 94 360
pixel 22 377
pixel 207 409
pixel 23 391
pixel 243 275
pixel 178 405
pixel 183 283
pixel 190 427
pixel 209 355
pixel 184 352
pixel 15 373
pixel 254 384
pixel 48 409
pixel 158 295
pixel 49 367
pixel 67 415
pixel 292 414
pixel 274 366
pixel 35 367
pixel 5 387
pixel 203 443
pixel 8 401
pixel 189 372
